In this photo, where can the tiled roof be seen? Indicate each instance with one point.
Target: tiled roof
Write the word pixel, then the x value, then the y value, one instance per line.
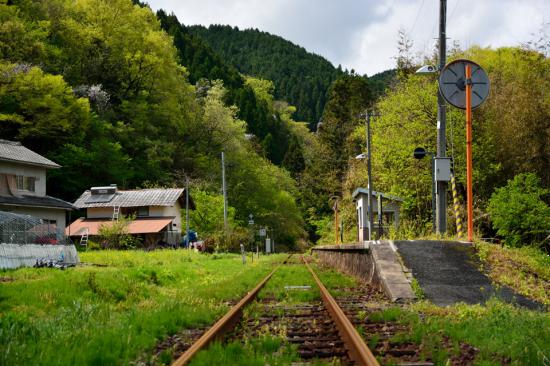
pixel 137 226
pixel 138 197
pixel 14 151
pixel 36 201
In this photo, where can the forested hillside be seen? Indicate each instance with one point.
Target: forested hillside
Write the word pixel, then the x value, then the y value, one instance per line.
pixel 511 153
pixel 300 78
pixel 101 89
pixel 263 121
pixel 117 94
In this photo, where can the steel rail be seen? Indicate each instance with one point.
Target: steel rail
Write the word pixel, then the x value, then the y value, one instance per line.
pixel 358 350
pixel 225 324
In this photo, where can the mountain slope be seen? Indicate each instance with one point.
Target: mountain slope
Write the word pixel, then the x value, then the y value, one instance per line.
pixel 301 78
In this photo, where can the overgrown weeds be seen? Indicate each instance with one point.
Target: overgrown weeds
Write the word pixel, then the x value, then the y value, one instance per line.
pixel 110 314
pixel 525 269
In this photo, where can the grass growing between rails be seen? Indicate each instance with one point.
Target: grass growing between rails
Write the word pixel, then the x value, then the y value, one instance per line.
pixel 259 351
pixel 525 269
pixel 286 288
pixel 109 314
pixel 280 285
pixel 502 333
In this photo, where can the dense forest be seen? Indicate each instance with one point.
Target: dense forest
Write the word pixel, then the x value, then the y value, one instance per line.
pixel 99 88
pixel 117 94
pixel 300 78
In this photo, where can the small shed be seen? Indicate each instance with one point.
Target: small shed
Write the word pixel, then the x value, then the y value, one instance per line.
pixel 385 212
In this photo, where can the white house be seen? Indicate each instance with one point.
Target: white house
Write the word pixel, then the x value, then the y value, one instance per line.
pixel 23 186
pixel 157 212
pixel 385 212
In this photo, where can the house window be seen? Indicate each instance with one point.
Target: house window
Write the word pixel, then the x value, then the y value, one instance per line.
pixel 26 183
pixel 143 211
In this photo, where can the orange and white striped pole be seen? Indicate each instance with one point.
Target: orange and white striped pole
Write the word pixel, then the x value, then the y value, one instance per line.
pixel 469 194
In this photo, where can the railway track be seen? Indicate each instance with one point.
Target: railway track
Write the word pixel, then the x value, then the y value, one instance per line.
pixel 311 326
pixel 316 327
pixel 319 330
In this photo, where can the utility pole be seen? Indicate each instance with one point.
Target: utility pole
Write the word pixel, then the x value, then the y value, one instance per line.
pixel 441 189
pixel 369 172
pixel 224 195
pixel 187 211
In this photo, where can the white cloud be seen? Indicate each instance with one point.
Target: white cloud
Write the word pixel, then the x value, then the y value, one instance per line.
pixel 363 34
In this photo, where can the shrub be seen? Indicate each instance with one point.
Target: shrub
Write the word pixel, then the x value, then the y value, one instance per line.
pixel 230 242
pixel 114 235
pixel 518 212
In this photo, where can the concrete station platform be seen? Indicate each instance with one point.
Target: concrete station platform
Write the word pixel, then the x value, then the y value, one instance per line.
pixel 448 272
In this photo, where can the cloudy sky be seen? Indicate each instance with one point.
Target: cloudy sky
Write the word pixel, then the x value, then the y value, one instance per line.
pixel 362 34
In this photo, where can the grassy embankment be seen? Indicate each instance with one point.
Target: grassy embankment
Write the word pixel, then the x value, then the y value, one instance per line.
pixel 525 269
pixel 109 314
pixel 502 333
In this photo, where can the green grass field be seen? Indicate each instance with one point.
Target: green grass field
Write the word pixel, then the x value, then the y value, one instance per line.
pixel 120 304
pixel 111 313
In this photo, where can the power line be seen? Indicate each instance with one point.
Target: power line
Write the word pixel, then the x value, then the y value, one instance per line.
pixel 417 16
pixel 452 12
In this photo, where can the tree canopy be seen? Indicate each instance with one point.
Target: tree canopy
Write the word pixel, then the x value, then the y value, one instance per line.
pixel 101 88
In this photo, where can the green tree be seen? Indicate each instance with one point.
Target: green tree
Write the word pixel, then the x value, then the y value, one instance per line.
pixel 254 184
pixel 514 113
pixel 207 218
pixel 115 235
pixel 39 109
pixel 519 213
pixel 294 158
pixel 300 78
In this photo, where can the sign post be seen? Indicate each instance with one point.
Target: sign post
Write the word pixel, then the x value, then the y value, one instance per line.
pixel 465 85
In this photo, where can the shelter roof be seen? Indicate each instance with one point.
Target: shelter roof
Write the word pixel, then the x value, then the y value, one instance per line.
pixel 365 191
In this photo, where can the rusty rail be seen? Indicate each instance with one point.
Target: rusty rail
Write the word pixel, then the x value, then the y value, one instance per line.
pixel 225 324
pixel 355 345
pixel 358 350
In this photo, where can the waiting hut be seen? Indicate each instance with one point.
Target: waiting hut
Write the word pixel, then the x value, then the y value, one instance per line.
pixel 385 212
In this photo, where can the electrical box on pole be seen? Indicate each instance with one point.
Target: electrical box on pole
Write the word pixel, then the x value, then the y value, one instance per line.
pixel 442 169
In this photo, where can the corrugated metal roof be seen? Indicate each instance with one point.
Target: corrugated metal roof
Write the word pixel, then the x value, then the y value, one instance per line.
pixel 137 198
pixel 15 152
pixel 137 226
pixel 376 193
